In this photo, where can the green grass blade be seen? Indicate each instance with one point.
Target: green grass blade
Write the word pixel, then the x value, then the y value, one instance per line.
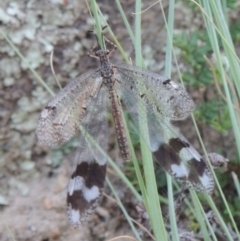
pixel 168 63
pixel 124 210
pixel 210 13
pixel 127 25
pixel 231 56
pixel 220 219
pixel 152 203
pixel 98 26
pixel 202 219
pixel 236 183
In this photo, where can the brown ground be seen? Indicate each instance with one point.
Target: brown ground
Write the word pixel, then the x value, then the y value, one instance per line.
pixel 33 178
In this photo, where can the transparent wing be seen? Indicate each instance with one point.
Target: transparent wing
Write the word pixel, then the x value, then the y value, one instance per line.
pixel 170 149
pixel 87 180
pixel 166 96
pixel 59 120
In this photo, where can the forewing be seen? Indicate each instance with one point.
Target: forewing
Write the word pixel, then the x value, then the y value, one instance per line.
pixel 161 93
pixel 169 147
pixel 59 120
pixel 87 180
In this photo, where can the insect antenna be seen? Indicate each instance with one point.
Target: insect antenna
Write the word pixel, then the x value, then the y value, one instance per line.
pixel 98 44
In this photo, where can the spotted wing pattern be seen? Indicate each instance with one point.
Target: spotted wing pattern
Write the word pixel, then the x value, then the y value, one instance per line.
pixel 83 104
pixel 159 102
pixel 163 95
pixel 87 180
pixel 59 120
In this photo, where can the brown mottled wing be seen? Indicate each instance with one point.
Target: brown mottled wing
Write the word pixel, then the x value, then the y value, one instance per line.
pixel 161 93
pixel 59 120
pixel 170 149
pixel 87 180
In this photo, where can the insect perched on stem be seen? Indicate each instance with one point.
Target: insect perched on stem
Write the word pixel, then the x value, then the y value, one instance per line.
pixel 83 104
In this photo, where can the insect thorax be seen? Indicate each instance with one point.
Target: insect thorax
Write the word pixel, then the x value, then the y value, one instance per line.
pixel 107 71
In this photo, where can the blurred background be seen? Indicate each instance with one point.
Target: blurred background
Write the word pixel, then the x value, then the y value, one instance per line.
pixel 33 179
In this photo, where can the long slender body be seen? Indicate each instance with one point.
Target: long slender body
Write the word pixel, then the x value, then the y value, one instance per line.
pixel 107 73
pixel 83 103
pixel 119 126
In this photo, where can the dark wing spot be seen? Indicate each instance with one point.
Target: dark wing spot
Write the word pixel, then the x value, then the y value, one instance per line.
pixel 93 173
pixel 50 107
pixel 166 82
pixel 77 201
pixel 177 144
pixel 166 156
pixel 171 98
pixel 199 166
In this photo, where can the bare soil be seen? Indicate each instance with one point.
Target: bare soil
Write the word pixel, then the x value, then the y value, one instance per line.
pixel 34 178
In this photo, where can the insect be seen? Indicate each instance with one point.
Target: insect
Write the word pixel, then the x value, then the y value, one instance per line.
pixel 84 103
pixel 216 161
